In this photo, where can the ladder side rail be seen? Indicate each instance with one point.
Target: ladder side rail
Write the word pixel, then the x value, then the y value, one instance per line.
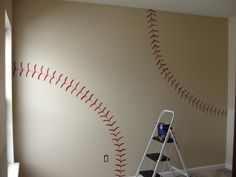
pixel 169 111
pixel 160 156
pixel 145 152
pixel 172 117
pixel 165 141
pixel 150 140
pixel 161 115
pixel 166 111
pixel 169 164
pixel 179 171
pixel 180 156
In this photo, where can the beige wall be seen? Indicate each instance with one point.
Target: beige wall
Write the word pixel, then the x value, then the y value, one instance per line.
pixel 231 92
pixel 4 5
pixel 107 49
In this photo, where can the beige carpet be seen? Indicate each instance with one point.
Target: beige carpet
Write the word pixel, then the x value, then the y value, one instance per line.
pixel 216 173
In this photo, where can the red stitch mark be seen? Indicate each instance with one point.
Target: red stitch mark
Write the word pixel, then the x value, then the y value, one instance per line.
pixel 120 150
pixel 167 74
pixel 204 107
pixel 215 110
pixel 155 46
pixel 190 98
pixel 163 68
pixel 98 107
pixel 162 65
pixel 47 74
pixel 180 89
pixel 75 88
pixel 119 175
pixel 53 76
pixel 169 79
pixel 110 123
pixel 182 93
pixel 211 109
pixel 119 145
pixel 152 31
pixel 113 130
pixel 222 112
pixel 81 90
pixel 120 165
pixel 28 69
pixel 102 111
pixel 173 82
pixel 89 99
pixel 21 69
pixel 218 112
pixel 193 101
pixel 105 115
pixel 152 20
pixel 69 85
pixel 121 161
pixel 94 103
pixel 108 119
pixel 153 36
pixel 115 134
pixel 151 14
pixel 152 25
pixel 65 80
pixel 155 52
pixel 119 170
pixel 151 11
pixel 186 96
pixel 14 68
pixel 120 155
pixel 225 113
pixel 116 139
pixel 200 106
pixel 197 103
pixel 35 70
pixel 84 95
pixel 59 79
pixel 176 86
pixel 41 72
pixel 155 43
pixel 159 62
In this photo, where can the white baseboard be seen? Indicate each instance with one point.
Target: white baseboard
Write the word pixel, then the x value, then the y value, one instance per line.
pixel 206 168
pixel 195 170
pixel 229 166
pixel 13 170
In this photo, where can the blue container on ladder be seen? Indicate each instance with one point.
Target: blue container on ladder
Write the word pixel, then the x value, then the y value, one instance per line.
pixel 162 130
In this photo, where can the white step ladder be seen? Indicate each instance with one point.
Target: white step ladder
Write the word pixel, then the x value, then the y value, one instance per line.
pixel 165 120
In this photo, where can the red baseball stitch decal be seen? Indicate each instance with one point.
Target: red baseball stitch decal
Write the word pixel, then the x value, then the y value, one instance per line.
pixel 85 96
pixel 168 76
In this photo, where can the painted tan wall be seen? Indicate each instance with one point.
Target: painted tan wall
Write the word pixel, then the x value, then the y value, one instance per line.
pixel 2 100
pixel 231 92
pixel 4 5
pixel 107 49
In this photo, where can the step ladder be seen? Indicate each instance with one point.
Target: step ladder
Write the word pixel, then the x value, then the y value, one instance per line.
pixel 166 118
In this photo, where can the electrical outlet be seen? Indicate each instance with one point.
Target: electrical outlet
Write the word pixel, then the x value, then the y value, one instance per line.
pixel 106 158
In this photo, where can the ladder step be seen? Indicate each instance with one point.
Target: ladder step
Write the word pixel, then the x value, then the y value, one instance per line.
pixel 148 173
pixel 155 156
pixel 161 140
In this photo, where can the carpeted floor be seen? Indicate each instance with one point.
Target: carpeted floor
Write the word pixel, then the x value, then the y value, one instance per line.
pixel 215 173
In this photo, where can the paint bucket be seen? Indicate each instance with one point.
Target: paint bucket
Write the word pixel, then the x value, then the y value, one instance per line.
pixel 162 130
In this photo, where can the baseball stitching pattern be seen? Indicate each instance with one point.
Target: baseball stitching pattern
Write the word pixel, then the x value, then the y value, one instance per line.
pixel 168 75
pixel 82 93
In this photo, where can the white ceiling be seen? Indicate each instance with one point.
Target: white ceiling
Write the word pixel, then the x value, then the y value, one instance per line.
pixel 218 8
